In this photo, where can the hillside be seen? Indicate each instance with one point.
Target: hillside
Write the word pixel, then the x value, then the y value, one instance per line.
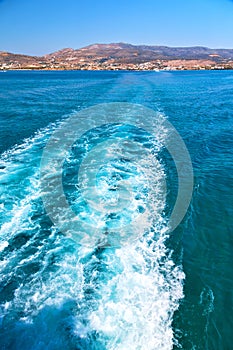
pixel 123 56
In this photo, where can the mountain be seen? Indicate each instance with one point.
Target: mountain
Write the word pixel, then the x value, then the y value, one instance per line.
pixel 122 56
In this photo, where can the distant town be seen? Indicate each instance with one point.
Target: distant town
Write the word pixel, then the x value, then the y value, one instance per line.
pixel 121 56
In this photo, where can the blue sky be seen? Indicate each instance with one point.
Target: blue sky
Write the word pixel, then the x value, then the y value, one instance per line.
pixel 39 27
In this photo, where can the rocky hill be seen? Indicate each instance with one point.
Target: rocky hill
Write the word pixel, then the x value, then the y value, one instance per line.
pixel 123 56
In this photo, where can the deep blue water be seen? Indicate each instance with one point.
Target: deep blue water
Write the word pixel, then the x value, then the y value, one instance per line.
pixel 161 291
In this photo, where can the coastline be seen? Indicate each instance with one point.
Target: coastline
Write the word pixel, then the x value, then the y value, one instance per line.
pixel 122 57
pixel 113 70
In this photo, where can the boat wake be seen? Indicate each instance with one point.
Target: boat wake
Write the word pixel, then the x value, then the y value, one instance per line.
pixel 57 293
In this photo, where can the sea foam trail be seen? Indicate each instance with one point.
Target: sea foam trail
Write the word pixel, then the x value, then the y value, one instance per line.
pixel 56 294
pixel 137 305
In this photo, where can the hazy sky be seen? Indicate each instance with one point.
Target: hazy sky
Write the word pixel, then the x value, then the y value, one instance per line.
pixel 39 27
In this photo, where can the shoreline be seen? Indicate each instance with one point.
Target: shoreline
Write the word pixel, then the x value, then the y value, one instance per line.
pixel 113 70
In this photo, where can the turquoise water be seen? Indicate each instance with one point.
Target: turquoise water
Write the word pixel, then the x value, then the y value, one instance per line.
pixel 162 291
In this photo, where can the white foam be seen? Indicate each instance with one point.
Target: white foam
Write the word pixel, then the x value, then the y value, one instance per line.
pixel 3 245
pixel 133 300
pixel 138 304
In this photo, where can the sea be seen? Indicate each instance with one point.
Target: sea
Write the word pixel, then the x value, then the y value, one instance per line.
pixel 126 281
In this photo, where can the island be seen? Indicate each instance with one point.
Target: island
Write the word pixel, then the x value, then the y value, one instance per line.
pixel 122 56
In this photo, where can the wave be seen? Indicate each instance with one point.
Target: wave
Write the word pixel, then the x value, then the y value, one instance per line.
pixel 57 294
